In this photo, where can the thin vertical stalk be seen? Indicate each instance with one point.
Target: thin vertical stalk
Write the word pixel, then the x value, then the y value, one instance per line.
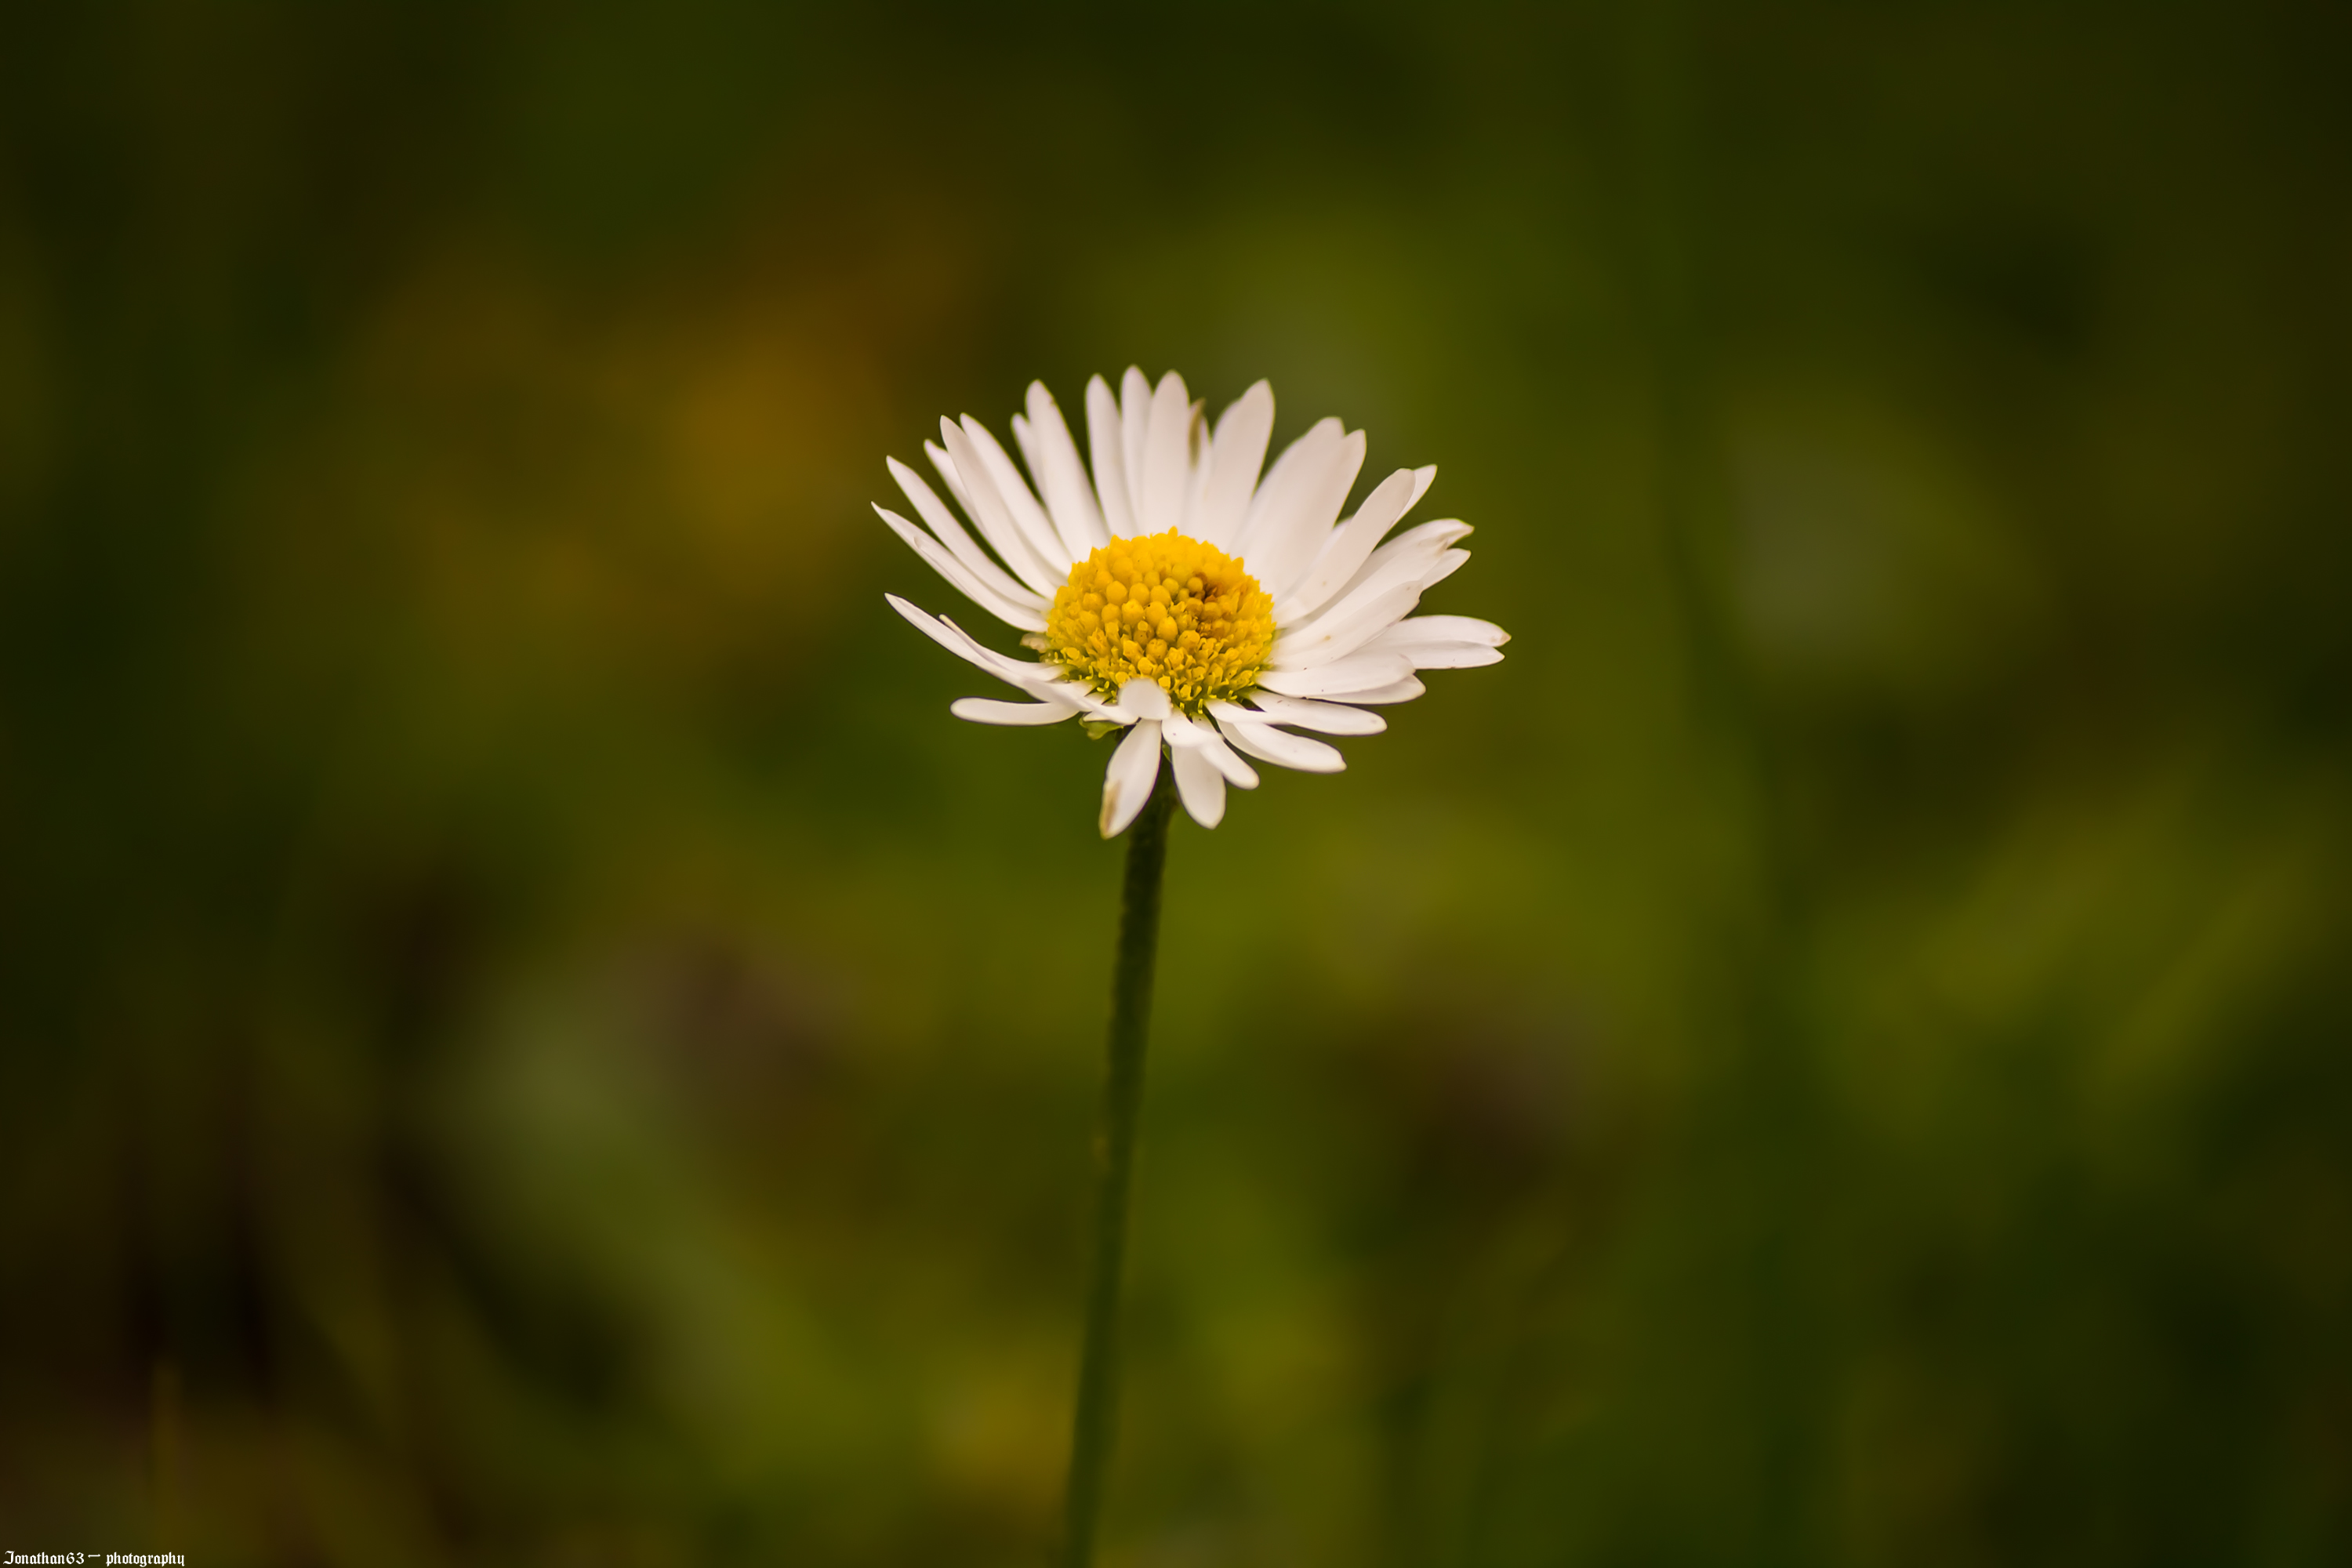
pixel 1095 1425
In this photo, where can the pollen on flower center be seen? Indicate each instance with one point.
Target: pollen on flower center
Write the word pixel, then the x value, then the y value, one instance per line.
pixel 1166 608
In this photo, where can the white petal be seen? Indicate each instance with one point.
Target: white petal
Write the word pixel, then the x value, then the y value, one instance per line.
pixel 1428 537
pixel 1054 686
pixel 1422 478
pixel 1199 447
pixel 1190 734
pixel 1423 543
pixel 1350 545
pixel 1422 561
pixel 1363 616
pixel 1199 784
pixel 965 583
pixel 1283 479
pixel 1327 718
pixel 945 467
pixel 960 643
pixel 1452 655
pixel 1374 601
pixel 1238 452
pixel 1126 784
pixel 950 532
pixel 990 513
pixel 1444 629
pixel 1024 441
pixel 1282 748
pixel 1167 457
pixel 1036 528
pixel 1356 673
pixel 1403 691
pixel 1062 477
pixel 1144 699
pixel 1134 427
pixel 1238 773
pixel 1031 675
pixel 1288 532
pixel 1178 730
pixel 1444 642
pixel 1448 562
pixel 1110 461
pixel 988 711
pixel 1080 697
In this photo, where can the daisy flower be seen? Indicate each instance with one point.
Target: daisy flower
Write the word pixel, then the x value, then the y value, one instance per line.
pixel 1182 590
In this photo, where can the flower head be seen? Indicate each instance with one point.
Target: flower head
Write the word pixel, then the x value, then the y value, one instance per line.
pixel 1184 592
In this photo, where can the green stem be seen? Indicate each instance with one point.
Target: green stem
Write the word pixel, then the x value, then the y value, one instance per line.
pixel 1096 1422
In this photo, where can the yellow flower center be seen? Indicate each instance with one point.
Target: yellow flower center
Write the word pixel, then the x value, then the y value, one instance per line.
pixel 1163 608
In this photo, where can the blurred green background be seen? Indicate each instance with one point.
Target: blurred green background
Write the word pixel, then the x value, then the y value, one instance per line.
pixel 530 1036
